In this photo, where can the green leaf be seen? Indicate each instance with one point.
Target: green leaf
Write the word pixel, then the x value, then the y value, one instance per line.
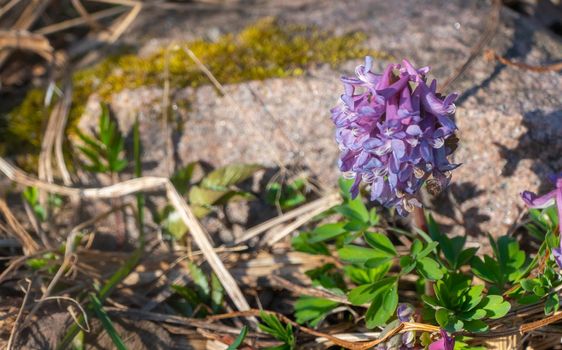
pixel 200 280
pixel 360 275
pixel 273 326
pixel 428 249
pixel 327 231
pixel 442 316
pixel 407 263
pixel 217 293
pixel 552 303
pixel 182 177
pixel 359 208
pixel 312 310
pixel 495 306
pixel 301 243
pixel 383 307
pixel 222 178
pixel 174 225
pixel 529 284
pixel 203 196
pixel 416 247
pixel 357 254
pixel 288 195
pixel 239 339
pixel 431 301
pixel 367 292
pixel 465 256
pixel 429 268
pixel 378 261
pixel 106 323
pixel 475 326
pixel 474 314
pixel 381 243
pixel 345 187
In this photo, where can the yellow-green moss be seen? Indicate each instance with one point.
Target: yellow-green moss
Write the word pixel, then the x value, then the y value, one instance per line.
pixel 263 50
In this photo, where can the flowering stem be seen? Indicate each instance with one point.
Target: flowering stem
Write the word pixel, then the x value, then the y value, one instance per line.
pixel 421 223
pixel 419 219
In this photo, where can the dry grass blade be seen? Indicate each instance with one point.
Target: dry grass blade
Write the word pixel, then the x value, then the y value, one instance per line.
pixel 6 8
pixel 59 135
pixel 14 332
pixel 257 230
pixel 275 236
pixel 134 186
pixel 57 119
pixel 24 40
pixel 69 259
pixel 121 24
pixel 200 237
pixel 28 243
pixel 85 15
pixel 26 18
pixel 57 27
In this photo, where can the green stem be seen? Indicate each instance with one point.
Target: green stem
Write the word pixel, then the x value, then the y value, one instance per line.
pixel 129 265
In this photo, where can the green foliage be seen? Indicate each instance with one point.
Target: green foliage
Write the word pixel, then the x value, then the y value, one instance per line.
pixel 356 220
pixel 104 152
pixel 204 291
pixel 239 339
pixel 381 251
pixel 302 243
pixel 313 310
pixel 532 289
pixel 453 250
pixel 507 265
pixel 272 326
pixel 47 262
pixel 420 260
pixel 216 188
pixel 459 305
pixel 286 196
pixel 106 322
pixel 543 222
pixel 31 195
pixel 182 178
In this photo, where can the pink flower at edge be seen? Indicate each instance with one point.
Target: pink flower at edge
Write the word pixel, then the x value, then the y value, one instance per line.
pixel 539 202
pixel 445 343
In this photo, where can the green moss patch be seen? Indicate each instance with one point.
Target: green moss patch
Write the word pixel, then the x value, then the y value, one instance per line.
pixel 263 50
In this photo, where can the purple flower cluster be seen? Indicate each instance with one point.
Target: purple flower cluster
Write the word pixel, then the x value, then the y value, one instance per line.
pixel 395 132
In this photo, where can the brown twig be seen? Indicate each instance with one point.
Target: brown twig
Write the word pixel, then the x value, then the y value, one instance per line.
pixel 363 345
pixel 491 55
pixel 527 327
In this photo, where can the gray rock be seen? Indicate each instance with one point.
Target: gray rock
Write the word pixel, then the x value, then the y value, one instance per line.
pixel 510 120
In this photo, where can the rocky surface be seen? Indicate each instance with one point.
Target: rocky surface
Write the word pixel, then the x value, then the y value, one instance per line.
pixel 510 120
